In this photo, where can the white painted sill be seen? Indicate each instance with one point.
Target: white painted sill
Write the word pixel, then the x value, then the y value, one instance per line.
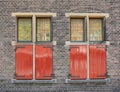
pixel 34 81
pixel 88 81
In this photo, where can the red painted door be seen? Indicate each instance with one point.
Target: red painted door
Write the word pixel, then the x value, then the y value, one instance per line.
pixel 24 62
pixel 78 59
pixel 97 61
pixel 43 59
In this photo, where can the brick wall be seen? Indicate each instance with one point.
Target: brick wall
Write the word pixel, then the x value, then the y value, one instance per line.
pixel 60 34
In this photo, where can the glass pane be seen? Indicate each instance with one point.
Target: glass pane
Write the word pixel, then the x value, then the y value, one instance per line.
pixel 24 29
pixel 95 27
pixel 77 29
pixel 43 29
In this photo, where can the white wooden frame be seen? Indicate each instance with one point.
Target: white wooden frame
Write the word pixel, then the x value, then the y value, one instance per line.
pixel 86 16
pixel 34 16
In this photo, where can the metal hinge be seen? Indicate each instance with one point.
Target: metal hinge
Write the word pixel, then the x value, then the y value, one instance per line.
pixel 47 46
pixel 106 74
pixel 69 49
pixel 69 76
pixel 53 75
pixel 19 75
pixel 19 47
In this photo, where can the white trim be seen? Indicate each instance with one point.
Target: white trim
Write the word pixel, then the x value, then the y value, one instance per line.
pixel 18 14
pixel 75 43
pixel 88 73
pixel 13 43
pixel 54 42
pixel 107 42
pixel 33 35
pixel 87 14
pixel 67 42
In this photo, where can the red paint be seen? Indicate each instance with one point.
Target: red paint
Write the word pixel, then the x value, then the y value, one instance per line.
pixel 78 59
pixel 23 62
pixel 97 61
pixel 43 65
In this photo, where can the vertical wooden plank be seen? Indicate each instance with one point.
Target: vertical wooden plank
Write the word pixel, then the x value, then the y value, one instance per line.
pixel 97 61
pixel 78 59
pixel 24 62
pixel 43 62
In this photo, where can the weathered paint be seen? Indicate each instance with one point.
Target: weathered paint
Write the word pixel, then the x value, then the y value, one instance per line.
pixel 24 62
pixel 78 59
pixel 97 61
pixel 43 62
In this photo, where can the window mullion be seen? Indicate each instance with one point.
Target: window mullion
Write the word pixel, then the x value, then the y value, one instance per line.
pixel 88 72
pixel 34 39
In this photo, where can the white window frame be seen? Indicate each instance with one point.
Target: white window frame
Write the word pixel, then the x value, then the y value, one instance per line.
pixel 86 16
pixel 33 16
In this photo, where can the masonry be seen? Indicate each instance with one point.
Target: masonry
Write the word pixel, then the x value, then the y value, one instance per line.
pixel 61 34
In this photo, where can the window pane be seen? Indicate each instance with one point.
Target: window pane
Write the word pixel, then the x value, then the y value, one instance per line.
pixel 43 29
pixel 95 27
pixel 24 29
pixel 77 29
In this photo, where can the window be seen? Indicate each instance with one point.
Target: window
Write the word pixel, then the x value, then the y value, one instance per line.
pixel 77 29
pixel 95 29
pixel 29 61
pixel 43 29
pixel 87 52
pixel 24 29
pixel 78 32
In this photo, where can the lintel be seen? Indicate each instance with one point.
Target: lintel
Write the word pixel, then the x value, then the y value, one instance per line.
pixel 19 14
pixel 87 14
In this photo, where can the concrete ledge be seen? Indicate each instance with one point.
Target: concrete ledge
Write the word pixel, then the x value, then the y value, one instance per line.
pixel 54 42
pixel 34 81
pixel 88 81
pixel 75 43
pixel 27 14
pixel 87 14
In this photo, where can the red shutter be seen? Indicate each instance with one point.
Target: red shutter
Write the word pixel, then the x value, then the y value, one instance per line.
pixel 43 62
pixel 23 62
pixel 97 61
pixel 78 59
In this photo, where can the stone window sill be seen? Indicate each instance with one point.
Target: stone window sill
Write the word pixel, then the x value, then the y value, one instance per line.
pixel 88 81
pixel 34 81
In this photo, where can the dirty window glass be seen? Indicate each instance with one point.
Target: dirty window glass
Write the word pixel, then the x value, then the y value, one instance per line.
pixel 24 29
pixel 95 30
pixel 77 29
pixel 43 29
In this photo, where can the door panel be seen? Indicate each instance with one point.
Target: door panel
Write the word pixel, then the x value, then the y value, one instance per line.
pixel 97 61
pixel 24 62
pixel 43 58
pixel 78 59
